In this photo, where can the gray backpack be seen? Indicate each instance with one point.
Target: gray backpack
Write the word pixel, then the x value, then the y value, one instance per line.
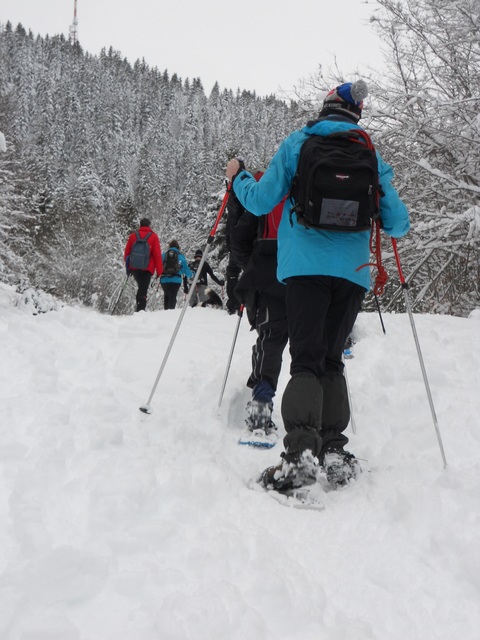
pixel 140 253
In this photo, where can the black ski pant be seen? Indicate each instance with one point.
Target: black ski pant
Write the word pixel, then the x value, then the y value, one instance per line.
pixel 269 317
pixel 170 290
pixel 321 312
pixel 232 274
pixel 142 278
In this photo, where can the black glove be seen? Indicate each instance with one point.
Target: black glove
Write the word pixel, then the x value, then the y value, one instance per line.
pixel 221 282
pixel 185 285
pixel 241 167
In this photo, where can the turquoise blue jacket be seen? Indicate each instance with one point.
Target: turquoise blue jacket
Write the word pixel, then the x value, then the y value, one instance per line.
pixel 301 251
pixel 184 270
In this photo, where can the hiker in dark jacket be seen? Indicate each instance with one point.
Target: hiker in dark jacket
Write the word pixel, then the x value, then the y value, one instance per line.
pixel 143 276
pixel 253 243
pixel 325 289
pixel 200 295
pixel 171 282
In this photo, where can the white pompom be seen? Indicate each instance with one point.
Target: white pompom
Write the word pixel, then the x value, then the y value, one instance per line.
pixel 359 90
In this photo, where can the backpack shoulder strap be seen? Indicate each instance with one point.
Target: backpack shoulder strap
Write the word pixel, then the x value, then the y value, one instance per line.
pixel 357 135
pixel 139 237
pixel 366 138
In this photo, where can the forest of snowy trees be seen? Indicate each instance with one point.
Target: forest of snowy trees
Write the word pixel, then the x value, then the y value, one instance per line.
pixel 94 142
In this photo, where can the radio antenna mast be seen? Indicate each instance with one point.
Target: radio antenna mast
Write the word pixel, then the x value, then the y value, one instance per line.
pixel 74 26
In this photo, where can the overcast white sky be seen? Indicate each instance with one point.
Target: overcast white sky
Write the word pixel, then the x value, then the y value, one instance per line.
pixel 259 45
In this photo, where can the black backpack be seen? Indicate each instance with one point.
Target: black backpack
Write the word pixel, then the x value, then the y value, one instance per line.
pixel 171 266
pixel 140 253
pixel 336 183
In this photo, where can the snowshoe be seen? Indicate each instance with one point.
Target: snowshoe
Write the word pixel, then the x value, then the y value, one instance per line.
pixel 292 472
pixel 340 468
pixel 261 431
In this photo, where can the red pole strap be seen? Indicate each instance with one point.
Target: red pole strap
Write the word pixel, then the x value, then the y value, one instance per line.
pixel 381 278
pixel 397 260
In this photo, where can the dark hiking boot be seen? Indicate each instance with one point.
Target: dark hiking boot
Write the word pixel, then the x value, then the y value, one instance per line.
pixel 259 417
pixel 340 467
pixel 232 307
pixel 292 472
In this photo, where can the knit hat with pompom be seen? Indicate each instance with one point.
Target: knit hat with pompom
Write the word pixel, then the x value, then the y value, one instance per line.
pixel 346 99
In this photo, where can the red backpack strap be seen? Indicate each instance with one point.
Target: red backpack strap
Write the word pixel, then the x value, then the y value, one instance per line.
pixel 359 135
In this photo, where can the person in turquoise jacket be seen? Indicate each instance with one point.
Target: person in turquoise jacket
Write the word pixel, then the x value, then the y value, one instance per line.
pixel 171 283
pixel 324 293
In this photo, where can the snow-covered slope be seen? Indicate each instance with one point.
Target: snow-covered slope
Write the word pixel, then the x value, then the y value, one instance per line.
pixel 120 525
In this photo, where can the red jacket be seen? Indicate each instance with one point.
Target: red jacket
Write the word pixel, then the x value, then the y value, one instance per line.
pixel 155 263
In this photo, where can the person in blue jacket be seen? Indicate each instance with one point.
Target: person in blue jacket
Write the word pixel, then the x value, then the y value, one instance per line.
pixel 324 293
pixel 171 282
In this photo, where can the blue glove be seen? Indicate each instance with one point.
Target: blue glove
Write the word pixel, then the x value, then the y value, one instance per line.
pixel 127 265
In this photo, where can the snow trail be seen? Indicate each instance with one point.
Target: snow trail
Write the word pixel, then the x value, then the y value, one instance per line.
pixel 117 524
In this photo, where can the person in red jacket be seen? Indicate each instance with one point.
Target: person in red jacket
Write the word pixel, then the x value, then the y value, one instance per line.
pixel 143 276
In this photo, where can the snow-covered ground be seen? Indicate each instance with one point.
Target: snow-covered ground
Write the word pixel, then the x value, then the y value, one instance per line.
pixel 116 525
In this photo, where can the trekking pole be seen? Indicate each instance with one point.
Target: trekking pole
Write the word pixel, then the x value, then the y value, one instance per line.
pixel 120 295
pixel 146 407
pixel 424 373
pixel 379 312
pixel 156 293
pixel 240 315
